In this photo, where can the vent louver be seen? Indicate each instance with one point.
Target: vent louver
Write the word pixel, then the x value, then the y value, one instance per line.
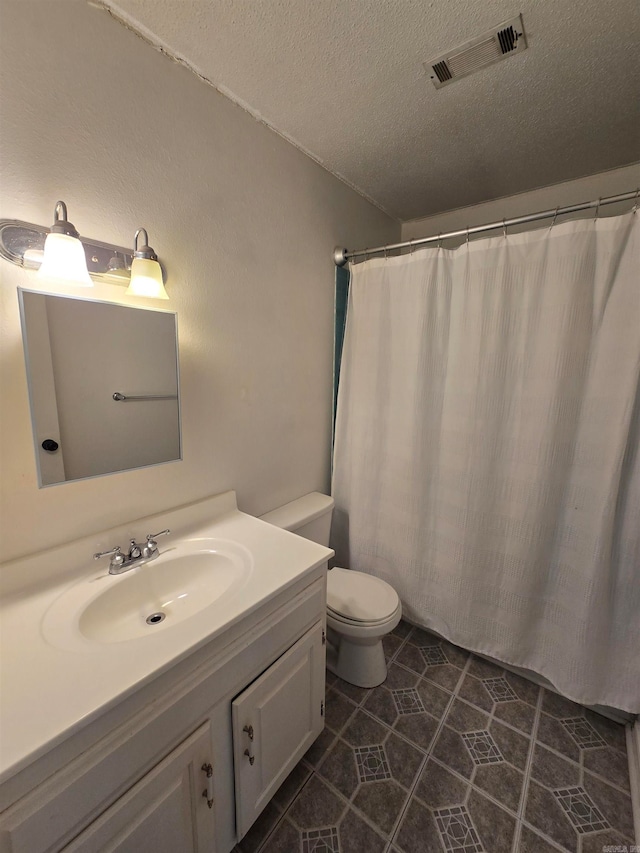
pixel 502 41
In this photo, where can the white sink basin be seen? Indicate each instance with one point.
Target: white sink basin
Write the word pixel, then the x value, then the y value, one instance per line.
pixel 151 598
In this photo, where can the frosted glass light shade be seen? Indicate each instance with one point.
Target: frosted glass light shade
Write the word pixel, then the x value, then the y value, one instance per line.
pixel 64 260
pixel 146 280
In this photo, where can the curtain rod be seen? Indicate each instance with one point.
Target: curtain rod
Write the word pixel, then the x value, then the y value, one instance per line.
pixel 341 256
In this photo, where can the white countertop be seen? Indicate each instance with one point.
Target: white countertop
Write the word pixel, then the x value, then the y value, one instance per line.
pixel 49 692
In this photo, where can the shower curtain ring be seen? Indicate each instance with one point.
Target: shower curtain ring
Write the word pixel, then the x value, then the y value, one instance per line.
pixel 635 206
pixel 597 210
pixel 467 235
pixel 440 240
pixel 555 216
pixel 386 253
pixel 504 228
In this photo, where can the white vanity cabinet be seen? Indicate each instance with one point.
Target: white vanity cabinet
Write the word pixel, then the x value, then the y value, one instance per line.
pixel 164 812
pixel 275 721
pixel 164 770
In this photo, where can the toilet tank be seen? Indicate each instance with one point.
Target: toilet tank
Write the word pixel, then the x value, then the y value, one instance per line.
pixel 308 516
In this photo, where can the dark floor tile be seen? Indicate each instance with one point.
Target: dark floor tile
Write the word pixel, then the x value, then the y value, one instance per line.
pixel 404 760
pixel 339 768
pixel 513 746
pixel 338 709
pixel 473 690
pixel 438 787
pixel 363 730
pixel 523 688
pixel 418 832
pixel 286 839
pixel 559 707
pixel 602 840
pixel 381 802
pixel 357 837
pixel 543 811
pixel 356 694
pixel 399 678
pixel 613 733
pixel 608 763
pixel 552 733
pixel 495 827
pixel 316 806
pixel 380 703
pixel 391 644
pixel 402 629
pixel 421 638
pixel 319 747
pixel 552 771
pixel 517 714
pixel 531 842
pixel 260 829
pixel 445 675
pixel 411 657
pixel 434 699
pixel 614 805
pixel 329 678
pixel 451 750
pixel 291 785
pixel 502 782
pixel 466 718
pixel 484 668
pixel 454 654
pixel 419 728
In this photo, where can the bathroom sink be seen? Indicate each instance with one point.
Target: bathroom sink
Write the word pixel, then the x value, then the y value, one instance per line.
pixel 184 580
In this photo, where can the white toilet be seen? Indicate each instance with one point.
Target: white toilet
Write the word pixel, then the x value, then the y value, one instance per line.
pixel 361 609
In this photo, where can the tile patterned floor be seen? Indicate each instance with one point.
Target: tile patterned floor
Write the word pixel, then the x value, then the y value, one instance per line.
pixel 451 755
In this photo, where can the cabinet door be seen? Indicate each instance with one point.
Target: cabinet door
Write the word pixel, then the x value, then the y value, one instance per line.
pixel 275 721
pixel 165 811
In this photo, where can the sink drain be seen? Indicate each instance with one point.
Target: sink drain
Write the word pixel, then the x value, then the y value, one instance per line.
pixel 156 618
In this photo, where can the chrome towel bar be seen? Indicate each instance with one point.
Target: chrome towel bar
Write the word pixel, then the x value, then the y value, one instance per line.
pixel 126 398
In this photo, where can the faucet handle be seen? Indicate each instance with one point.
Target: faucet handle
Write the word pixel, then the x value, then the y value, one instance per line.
pixel 152 546
pixel 117 557
pixel 151 537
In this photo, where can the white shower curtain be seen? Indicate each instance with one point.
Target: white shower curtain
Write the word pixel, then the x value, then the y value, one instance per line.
pixel 487 459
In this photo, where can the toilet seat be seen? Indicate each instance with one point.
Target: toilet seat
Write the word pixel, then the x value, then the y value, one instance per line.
pixel 355 597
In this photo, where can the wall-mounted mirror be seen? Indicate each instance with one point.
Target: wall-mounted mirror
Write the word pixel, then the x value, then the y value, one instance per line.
pixel 103 386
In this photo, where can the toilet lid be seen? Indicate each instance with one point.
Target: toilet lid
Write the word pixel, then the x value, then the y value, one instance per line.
pixel 363 598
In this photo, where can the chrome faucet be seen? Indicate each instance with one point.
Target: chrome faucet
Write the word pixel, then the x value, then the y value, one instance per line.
pixel 138 554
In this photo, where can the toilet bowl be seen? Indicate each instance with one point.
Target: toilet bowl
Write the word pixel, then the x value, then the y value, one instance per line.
pixel 361 608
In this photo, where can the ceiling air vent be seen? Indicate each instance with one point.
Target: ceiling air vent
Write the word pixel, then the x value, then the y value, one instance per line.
pixel 496 44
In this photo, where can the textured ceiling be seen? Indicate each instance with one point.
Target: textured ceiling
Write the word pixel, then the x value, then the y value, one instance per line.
pixel 343 80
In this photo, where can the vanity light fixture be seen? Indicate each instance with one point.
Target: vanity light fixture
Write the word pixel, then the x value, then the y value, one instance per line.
pixel 146 273
pixel 64 257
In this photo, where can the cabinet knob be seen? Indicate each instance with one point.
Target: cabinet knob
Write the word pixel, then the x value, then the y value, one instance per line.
pixel 251 758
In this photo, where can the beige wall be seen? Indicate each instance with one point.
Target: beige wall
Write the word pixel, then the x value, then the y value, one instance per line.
pixel 570 192
pixel 245 224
